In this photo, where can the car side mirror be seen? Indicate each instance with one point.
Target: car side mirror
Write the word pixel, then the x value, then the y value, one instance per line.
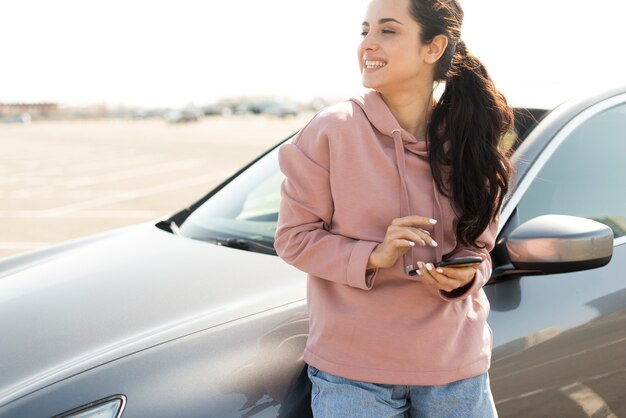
pixel 551 244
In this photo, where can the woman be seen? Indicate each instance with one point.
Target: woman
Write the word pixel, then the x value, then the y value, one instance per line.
pixel 388 183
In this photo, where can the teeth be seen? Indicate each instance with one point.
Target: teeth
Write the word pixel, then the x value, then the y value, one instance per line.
pixel 375 64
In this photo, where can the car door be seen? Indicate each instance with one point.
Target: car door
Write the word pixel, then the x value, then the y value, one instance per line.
pixel 560 339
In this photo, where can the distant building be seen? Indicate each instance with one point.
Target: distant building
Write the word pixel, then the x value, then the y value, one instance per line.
pixel 33 109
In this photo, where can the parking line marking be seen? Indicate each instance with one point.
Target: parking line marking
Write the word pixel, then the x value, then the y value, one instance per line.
pixel 64 211
pixel 109 177
pixel 588 400
pixel 68 165
pixel 523 395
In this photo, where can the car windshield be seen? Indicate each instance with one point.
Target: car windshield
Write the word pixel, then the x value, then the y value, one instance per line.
pixel 244 213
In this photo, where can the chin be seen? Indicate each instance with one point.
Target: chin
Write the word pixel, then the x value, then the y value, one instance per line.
pixel 374 86
pixel 369 84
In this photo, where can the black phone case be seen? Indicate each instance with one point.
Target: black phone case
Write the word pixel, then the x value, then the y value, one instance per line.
pixel 452 262
pixel 458 261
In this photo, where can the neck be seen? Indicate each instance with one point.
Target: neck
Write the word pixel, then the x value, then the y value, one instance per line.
pixel 411 110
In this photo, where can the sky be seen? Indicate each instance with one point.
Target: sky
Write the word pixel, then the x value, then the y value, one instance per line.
pixel 156 53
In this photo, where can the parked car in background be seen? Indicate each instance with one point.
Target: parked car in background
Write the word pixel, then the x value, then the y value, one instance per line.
pixel 182 115
pixel 278 108
pixel 281 110
pixel 194 315
pixel 18 119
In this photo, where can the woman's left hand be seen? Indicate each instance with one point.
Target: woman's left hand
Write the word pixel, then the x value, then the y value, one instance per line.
pixel 447 278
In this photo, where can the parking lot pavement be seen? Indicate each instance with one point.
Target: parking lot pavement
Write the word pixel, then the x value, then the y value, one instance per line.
pixel 61 180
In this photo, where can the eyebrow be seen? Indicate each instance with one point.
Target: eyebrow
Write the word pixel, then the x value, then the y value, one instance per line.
pixel 383 21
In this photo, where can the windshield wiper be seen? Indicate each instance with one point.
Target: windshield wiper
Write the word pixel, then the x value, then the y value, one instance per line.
pixel 244 244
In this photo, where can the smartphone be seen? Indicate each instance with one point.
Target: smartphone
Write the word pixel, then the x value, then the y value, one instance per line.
pixel 459 262
pixel 455 262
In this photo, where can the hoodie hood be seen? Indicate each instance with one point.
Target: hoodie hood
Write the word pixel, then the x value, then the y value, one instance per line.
pixel 381 118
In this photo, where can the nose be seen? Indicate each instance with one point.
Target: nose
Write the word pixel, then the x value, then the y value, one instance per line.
pixel 368 43
pixel 367 46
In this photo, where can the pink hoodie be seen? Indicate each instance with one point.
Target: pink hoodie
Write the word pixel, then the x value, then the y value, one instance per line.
pixel 349 172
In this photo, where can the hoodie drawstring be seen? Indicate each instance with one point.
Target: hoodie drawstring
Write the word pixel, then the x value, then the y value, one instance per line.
pixel 405 205
pixel 438 231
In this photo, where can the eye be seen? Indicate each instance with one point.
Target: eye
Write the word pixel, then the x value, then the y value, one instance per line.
pixel 388 31
pixel 364 33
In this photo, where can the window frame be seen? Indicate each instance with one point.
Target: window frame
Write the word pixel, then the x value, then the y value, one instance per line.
pixel 551 147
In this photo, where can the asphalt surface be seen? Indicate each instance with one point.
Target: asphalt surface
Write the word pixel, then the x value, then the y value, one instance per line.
pixel 61 180
pixel 577 374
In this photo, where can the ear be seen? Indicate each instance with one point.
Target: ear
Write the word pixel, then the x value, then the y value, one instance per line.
pixel 436 48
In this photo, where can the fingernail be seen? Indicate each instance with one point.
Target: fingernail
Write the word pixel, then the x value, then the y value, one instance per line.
pixel 429 266
pixel 439 270
pixel 434 243
pixel 422 243
pixel 411 243
pixel 420 264
pixel 432 221
pixel 419 273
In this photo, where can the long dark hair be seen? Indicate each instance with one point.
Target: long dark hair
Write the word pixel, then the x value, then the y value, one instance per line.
pixel 472 115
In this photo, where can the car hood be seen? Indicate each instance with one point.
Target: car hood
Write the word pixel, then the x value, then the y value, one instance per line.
pixel 77 307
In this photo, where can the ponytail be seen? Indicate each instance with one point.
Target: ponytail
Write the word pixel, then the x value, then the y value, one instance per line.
pixel 471 116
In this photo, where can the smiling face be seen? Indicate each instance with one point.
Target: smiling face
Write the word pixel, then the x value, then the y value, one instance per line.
pixel 391 55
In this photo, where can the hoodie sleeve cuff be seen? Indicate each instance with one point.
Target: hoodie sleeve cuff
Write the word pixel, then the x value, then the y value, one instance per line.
pixel 358 274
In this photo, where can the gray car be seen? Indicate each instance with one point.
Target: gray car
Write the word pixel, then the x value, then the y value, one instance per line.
pixel 194 315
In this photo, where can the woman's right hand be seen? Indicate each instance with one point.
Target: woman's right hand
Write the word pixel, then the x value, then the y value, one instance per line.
pixel 401 235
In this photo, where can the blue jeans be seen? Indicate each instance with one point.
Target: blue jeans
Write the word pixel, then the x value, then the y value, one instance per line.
pixel 337 397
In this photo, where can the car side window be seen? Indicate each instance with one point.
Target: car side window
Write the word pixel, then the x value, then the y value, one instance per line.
pixel 584 177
